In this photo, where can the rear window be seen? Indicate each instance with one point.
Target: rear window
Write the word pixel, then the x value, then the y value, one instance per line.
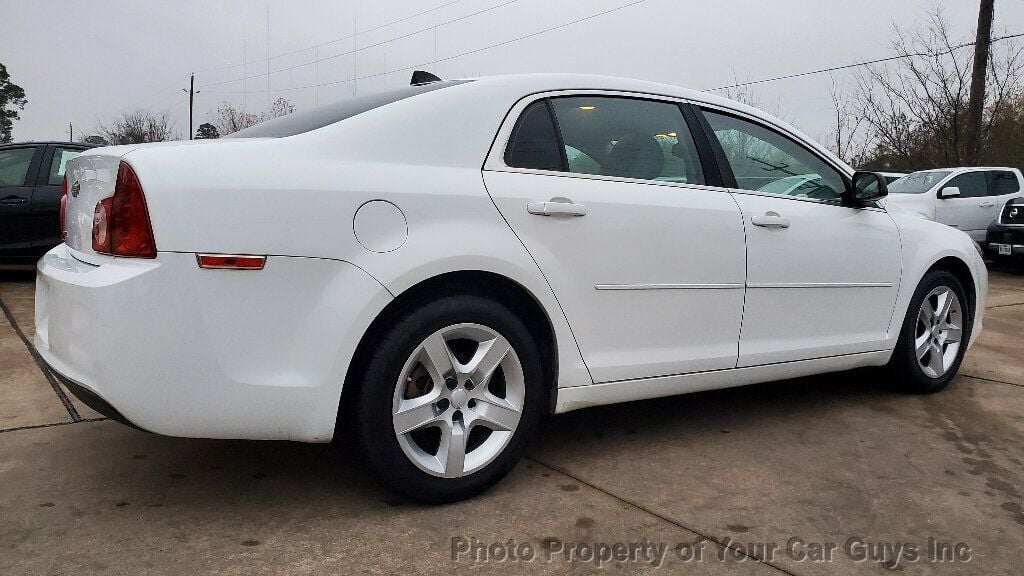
pixel 308 120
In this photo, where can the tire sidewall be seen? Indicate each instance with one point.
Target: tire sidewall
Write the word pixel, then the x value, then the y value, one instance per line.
pixel 374 412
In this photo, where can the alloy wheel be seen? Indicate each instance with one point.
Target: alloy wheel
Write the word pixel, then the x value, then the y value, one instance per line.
pixel 458 400
pixel 939 331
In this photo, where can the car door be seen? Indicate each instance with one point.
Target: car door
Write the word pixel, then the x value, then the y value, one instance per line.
pixel 18 165
pixel 44 214
pixel 972 211
pixel 821 277
pixel 645 259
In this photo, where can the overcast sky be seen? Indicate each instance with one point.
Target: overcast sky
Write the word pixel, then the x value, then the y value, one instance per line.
pixel 85 62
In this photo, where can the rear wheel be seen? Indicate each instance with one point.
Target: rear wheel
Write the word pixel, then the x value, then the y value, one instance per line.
pixel 934 335
pixel 449 399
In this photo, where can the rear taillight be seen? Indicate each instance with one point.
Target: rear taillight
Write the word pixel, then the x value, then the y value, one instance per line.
pixel 120 224
pixel 64 208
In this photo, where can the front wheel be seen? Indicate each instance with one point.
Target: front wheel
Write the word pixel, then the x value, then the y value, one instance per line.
pixel 450 397
pixel 934 336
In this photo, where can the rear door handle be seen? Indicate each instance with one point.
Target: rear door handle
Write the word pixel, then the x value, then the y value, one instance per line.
pixel 12 199
pixel 987 204
pixel 556 207
pixel 770 220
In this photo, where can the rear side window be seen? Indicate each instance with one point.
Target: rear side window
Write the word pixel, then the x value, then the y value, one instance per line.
pixel 628 138
pixel 534 143
pixel 1002 182
pixel 14 165
pixel 59 164
pixel 971 184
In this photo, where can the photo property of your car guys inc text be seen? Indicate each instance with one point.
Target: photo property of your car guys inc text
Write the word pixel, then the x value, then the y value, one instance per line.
pixel 471 286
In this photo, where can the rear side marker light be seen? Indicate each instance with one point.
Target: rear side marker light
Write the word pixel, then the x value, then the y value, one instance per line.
pixel 231 262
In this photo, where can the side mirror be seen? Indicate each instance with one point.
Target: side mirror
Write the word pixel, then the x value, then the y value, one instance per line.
pixel 867 186
pixel 949 192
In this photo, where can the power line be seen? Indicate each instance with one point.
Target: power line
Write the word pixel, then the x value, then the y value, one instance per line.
pixel 361 48
pixel 858 64
pixel 336 40
pixel 447 58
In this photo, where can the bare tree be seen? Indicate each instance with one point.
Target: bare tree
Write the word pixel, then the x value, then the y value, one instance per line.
pixel 136 127
pixel 847 138
pixel 916 109
pixel 228 119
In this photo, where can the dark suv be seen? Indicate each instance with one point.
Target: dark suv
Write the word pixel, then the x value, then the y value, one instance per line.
pixel 1005 238
pixel 30 178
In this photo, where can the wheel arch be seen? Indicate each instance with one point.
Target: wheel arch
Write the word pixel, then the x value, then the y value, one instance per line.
pixel 476 282
pixel 962 271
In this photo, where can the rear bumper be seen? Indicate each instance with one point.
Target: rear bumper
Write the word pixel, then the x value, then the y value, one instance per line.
pixel 92 400
pixel 1006 235
pixel 178 350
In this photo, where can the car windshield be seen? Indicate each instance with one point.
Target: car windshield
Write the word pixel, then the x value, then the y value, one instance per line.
pixel 314 118
pixel 918 182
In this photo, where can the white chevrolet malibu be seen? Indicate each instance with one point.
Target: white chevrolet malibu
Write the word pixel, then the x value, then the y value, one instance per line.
pixel 442 265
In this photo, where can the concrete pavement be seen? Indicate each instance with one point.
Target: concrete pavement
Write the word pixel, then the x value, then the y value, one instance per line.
pixel 838 473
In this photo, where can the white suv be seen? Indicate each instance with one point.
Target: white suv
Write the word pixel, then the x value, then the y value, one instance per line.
pixel 965 198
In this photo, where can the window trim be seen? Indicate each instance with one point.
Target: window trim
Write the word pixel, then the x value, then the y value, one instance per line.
pixel 730 177
pixel 495 161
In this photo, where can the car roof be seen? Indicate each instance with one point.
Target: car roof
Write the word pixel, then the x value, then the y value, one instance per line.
pixel 47 142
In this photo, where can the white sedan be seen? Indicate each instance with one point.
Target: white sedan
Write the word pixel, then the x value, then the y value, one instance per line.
pixel 430 266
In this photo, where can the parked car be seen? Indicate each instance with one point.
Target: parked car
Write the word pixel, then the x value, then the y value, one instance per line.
pixel 1005 237
pixel 30 179
pixel 964 198
pixel 891 177
pixel 430 266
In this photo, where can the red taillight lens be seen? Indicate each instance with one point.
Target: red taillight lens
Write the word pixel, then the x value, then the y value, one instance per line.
pixel 64 208
pixel 121 223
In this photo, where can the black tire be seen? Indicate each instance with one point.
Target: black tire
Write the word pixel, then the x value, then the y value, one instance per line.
pixel 373 412
pixel 903 366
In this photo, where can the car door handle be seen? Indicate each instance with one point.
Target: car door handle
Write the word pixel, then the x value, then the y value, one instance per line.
pixel 987 204
pixel 770 220
pixel 12 199
pixel 556 207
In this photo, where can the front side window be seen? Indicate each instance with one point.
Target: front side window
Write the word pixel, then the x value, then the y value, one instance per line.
pixel 14 165
pixel 971 184
pixel 1002 182
pixel 766 161
pixel 59 164
pixel 627 138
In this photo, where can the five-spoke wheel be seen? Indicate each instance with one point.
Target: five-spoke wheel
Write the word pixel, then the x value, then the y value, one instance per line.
pixel 934 335
pixel 458 400
pixel 450 396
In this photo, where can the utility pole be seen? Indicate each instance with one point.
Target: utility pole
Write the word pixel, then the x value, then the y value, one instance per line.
pixel 976 105
pixel 71 132
pixel 191 102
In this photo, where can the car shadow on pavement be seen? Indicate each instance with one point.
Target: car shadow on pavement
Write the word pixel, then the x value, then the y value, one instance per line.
pixel 154 471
